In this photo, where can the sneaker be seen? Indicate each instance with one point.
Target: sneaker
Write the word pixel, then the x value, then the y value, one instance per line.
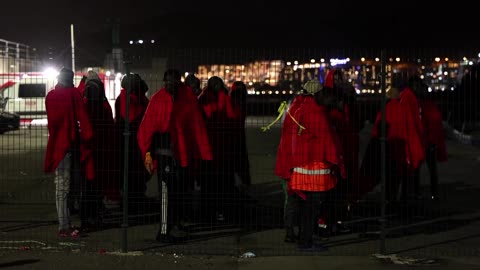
pixel 163 238
pixel 176 235
pixel 72 232
pixel 341 228
pixel 219 217
pixel 290 237
pixel 178 232
pixel 75 233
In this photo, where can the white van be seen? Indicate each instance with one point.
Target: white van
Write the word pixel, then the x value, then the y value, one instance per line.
pixel 25 92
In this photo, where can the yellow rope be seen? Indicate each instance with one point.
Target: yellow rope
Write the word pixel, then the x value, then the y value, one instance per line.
pixel 281 111
pixel 296 122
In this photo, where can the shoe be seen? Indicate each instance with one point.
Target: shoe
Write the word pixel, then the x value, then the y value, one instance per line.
pixel 111 204
pixel 176 235
pixel 219 217
pixel 341 228
pixel 290 236
pixel 72 232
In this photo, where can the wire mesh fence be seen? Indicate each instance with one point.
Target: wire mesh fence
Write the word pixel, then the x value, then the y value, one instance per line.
pixel 226 151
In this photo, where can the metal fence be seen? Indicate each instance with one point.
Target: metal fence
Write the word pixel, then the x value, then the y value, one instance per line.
pixel 236 203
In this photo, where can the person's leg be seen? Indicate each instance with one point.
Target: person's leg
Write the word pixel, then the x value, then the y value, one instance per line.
pixel 163 196
pixel 416 184
pixel 308 210
pixel 177 202
pixel 213 193
pixel 208 191
pixel 178 199
pixel 392 181
pixel 93 204
pixel 163 173
pixel 340 206
pixel 431 159
pixel 291 217
pixel 62 188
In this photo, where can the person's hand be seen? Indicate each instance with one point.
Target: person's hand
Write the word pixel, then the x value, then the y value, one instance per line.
pixel 148 163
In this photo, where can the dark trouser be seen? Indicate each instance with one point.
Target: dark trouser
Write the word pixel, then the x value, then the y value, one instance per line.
pixel 336 208
pixel 177 201
pixel 291 211
pixel 431 159
pixel 395 179
pixel 90 203
pixel 217 192
pixel 306 211
pixel 309 209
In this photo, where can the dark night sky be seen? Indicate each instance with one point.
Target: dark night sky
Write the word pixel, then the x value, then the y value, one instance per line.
pixel 188 23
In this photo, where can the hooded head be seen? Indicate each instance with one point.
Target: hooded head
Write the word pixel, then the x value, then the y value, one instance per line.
pixel 417 85
pixel 194 83
pixel 398 81
pixel 92 75
pixel 239 92
pixel 139 86
pixel 171 80
pixel 216 84
pixel 65 77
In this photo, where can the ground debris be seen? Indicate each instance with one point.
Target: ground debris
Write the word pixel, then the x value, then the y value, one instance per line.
pixel 395 259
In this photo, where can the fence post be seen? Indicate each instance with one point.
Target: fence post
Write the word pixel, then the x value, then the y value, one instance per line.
pixel 126 134
pixel 383 138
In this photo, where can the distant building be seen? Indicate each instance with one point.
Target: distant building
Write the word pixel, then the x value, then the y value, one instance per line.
pixel 17 57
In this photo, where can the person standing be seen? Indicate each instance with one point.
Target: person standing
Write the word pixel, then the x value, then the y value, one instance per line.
pixel 70 134
pixel 106 181
pixel 174 116
pixel 316 159
pixel 137 174
pixel 433 136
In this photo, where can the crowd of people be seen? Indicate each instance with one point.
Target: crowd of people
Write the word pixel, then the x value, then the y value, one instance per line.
pixel 185 135
pixel 190 136
pixel 318 153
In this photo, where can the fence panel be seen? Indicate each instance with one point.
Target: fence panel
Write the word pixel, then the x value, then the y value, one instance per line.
pixel 225 159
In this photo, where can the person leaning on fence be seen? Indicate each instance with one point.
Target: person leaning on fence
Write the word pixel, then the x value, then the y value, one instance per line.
pixel 173 114
pixel 315 159
pixel 70 132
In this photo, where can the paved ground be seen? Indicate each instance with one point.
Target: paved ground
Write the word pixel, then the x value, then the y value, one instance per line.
pixel 447 231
